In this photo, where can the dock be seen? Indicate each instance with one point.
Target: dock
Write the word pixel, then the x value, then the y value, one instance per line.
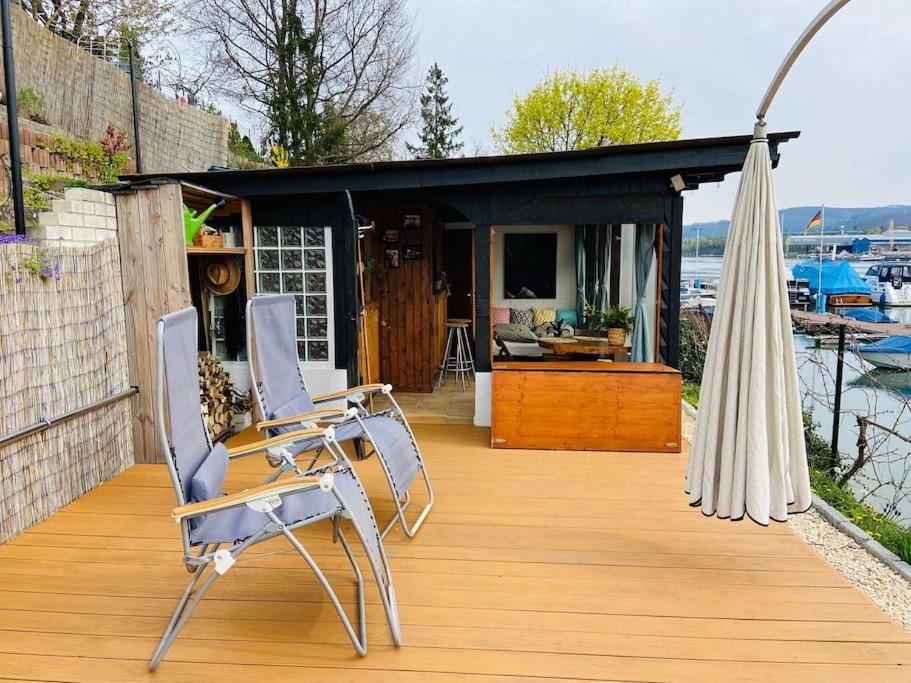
pixel 826 324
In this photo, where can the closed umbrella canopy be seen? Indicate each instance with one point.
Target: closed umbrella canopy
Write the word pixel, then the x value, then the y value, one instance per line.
pixel 748 455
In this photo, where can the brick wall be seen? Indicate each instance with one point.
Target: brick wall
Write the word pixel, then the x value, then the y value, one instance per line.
pixel 82 216
pixel 84 93
pixel 35 141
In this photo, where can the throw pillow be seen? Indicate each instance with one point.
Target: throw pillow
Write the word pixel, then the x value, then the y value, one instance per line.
pixel 515 332
pixel 542 316
pixel 520 316
pixel 297 405
pixel 206 482
pixel 500 316
pixel 568 316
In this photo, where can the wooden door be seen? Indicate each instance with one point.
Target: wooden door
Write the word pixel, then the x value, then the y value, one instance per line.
pixel 404 294
pixel 458 262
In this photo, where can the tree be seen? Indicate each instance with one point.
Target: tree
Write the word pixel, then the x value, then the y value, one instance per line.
pixel 106 27
pixel 439 132
pixel 577 111
pixel 329 76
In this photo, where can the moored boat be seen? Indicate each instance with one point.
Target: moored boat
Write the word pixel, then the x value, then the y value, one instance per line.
pixel 891 352
pixel 890 282
pixel 836 280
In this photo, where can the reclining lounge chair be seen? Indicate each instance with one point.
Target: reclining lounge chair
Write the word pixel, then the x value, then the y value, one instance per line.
pixel 217 529
pixel 285 404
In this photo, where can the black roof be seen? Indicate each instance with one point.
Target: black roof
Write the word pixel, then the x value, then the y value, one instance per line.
pixel 697 160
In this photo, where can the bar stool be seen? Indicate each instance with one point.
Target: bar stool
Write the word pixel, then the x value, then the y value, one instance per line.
pixel 457 358
pixel 467 340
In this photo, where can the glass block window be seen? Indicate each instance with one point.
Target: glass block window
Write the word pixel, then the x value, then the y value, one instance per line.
pixel 297 260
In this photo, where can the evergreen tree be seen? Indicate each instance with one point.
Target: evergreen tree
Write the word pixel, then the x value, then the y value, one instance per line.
pixel 440 130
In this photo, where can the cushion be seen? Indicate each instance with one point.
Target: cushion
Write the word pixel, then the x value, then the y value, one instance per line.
pixel 541 316
pixel 297 405
pixel 515 333
pixel 207 482
pixel 520 316
pixel 547 330
pixel 568 315
pixel 500 316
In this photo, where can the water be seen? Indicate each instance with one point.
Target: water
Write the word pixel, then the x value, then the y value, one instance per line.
pixel 883 396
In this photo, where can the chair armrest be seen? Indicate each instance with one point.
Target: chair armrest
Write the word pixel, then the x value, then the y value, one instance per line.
pixel 265 491
pixel 311 416
pixel 281 439
pixel 363 389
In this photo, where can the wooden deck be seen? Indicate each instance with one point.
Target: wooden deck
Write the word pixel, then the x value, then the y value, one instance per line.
pixel 818 323
pixel 535 565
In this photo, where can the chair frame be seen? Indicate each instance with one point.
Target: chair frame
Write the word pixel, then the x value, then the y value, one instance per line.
pixel 266 498
pixel 356 396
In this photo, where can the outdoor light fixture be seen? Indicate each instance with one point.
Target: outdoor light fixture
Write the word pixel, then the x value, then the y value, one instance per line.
pixel 678 183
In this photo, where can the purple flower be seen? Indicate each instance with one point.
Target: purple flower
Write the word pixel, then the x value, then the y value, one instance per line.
pixel 7 238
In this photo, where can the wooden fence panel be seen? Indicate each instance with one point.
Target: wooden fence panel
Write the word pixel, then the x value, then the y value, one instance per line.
pixel 155 282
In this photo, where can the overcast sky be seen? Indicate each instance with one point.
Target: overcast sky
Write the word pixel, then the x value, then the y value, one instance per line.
pixel 849 93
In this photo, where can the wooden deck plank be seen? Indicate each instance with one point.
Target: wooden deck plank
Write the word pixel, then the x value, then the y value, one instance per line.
pixel 480 637
pixel 494 588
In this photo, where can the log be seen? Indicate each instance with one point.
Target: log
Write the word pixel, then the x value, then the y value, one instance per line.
pixel 221 400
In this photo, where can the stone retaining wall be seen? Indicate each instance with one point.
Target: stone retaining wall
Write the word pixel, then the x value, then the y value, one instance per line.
pixel 84 93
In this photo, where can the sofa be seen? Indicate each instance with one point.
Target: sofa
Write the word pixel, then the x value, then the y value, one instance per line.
pixel 517 330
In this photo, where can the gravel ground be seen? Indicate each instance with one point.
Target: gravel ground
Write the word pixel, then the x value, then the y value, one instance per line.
pixel 879 583
pixel 689 424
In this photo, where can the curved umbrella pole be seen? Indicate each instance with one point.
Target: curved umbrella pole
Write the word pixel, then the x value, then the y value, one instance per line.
pixel 811 30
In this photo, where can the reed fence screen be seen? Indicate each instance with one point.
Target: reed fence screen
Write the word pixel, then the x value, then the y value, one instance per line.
pixel 62 347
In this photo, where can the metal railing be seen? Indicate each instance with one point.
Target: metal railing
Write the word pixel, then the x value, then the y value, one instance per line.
pixel 49 422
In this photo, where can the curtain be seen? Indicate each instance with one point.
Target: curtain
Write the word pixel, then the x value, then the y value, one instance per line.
pixel 642 347
pixel 580 274
pixel 593 252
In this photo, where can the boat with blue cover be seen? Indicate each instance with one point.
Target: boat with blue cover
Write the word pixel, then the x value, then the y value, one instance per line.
pixel 891 352
pixel 868 315
pixel 838 282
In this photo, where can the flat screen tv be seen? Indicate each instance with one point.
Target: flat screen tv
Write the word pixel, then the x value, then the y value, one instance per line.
pixel 530 265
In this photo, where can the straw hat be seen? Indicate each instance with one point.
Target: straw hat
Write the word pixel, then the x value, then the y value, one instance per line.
pixel 221 275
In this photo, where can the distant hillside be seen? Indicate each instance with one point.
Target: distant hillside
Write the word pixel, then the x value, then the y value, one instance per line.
pixel 795 219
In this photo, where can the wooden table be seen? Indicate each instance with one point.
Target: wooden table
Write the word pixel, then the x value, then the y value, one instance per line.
pixel 571 346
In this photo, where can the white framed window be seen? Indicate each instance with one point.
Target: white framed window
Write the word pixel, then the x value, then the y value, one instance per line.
pixel 298 260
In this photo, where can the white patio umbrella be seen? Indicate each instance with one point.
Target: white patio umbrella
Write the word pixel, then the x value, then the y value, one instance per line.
pixel 748 455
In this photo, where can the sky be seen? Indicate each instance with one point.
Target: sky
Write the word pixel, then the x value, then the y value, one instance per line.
pixel 848 94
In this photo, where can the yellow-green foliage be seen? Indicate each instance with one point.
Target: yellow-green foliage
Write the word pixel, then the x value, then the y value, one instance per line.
pixel 570 110
pixel 32 105
pixel 94 163
pixel 279 157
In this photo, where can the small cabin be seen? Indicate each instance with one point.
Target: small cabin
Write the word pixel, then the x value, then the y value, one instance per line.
pixel 381 255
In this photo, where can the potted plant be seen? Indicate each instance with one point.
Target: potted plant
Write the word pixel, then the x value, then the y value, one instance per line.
pixel 618 321
pixel 558 328
pixel 592 322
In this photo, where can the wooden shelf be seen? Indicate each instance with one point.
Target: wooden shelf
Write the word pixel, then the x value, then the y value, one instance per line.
pixel 217 250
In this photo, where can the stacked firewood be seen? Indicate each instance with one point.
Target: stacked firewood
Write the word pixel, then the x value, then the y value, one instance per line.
pixel 221 400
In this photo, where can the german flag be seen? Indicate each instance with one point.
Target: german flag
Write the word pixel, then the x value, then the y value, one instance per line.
pixel 815 222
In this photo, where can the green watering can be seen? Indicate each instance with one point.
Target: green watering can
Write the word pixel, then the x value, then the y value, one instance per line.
pixel 193 221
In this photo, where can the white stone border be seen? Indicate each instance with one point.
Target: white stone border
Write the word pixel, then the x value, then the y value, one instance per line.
pixel 846 526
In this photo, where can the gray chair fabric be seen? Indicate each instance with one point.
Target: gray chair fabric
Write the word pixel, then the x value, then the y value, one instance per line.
pixel 277 370
pixel 207 483
pixel 397 447
pixel 282 393
pixel 202 468
pixel 189 436
pixel 296 406
pixel 198 472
